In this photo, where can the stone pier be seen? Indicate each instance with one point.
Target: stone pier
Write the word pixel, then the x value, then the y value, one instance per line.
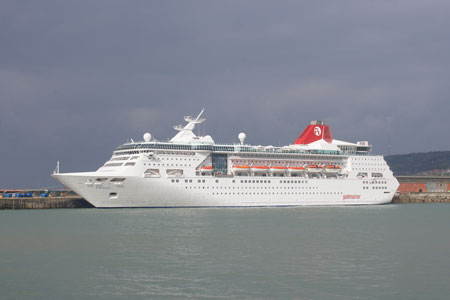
pixel 44 203
pixel 438 197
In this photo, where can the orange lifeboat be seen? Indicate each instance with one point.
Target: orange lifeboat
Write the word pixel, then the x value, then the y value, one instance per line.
pixel 260 169
pixel 240 168
pixel 278 169
pixel 332 168
pixel 206 169
pixel 314 168
pixel 296 170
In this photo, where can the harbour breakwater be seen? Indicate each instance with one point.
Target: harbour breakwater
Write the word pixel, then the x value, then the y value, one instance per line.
pixel 438 197
pixel 44 203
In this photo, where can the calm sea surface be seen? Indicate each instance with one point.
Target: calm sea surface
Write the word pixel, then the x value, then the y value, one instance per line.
pixel 366 252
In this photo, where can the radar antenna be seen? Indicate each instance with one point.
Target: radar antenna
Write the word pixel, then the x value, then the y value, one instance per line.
pixel 197 120
pixel 185 133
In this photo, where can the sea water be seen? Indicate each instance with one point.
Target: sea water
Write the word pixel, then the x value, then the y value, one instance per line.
pixel 361 252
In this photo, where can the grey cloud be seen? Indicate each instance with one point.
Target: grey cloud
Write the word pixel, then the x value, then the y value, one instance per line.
pixel 78 78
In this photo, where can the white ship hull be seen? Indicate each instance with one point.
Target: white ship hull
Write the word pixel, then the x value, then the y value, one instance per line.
pixel 157 192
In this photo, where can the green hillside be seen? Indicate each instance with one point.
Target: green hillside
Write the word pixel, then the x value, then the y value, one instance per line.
pixel 415 163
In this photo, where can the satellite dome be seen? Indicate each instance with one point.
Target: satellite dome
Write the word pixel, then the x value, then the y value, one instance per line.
pixel 242 137
pixel 147 137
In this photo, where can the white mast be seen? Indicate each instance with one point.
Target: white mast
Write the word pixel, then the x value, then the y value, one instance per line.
pixel 56 171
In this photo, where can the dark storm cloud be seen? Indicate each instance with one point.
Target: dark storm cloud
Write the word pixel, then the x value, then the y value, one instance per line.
pixel 78 78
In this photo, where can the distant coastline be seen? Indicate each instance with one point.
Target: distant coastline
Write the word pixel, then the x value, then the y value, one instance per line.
pixel 434 163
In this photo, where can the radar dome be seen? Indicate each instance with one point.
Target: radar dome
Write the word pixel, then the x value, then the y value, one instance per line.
pixel 147 137
pixel 242 137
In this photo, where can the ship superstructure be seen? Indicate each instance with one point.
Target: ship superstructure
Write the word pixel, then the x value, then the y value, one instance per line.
pixel 194 171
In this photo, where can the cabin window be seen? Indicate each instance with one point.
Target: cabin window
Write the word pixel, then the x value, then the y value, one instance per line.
pixel 113 165
pixel 151 173
pixel 118 179
pixel 174 172
pixel 120 158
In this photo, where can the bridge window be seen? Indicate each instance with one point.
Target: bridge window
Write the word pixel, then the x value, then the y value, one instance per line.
pixel 117 179
pixel 362 175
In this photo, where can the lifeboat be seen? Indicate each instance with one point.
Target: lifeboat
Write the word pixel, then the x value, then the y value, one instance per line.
pixel 314 168
pixel 206 169
pixel 278 169
pixel 296 170
pixel 240 168
pixel 260 169
pixel 332 169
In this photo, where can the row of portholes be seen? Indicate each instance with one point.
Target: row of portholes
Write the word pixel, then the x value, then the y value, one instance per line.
pixel 293 181
pixel 375 188
pixel 375 182
pixel 254 188
pixel 170 158
pixel 365 158
pixel 285 193
pixel 163 165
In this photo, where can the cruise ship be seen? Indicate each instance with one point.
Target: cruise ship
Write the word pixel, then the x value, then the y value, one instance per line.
pixel 194 171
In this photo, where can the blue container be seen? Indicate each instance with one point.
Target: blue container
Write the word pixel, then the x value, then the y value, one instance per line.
pixel 44 195
pixel 18 195
pixel 9 195
pixel 28 194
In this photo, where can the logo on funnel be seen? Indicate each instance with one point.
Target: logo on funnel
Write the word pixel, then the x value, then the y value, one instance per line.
pixel 317 131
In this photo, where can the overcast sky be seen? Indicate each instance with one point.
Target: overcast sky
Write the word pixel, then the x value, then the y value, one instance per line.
pixel 78 78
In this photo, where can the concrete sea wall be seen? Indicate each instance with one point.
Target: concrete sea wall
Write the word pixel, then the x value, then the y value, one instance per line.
pixel 44 203
pixel 422 198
